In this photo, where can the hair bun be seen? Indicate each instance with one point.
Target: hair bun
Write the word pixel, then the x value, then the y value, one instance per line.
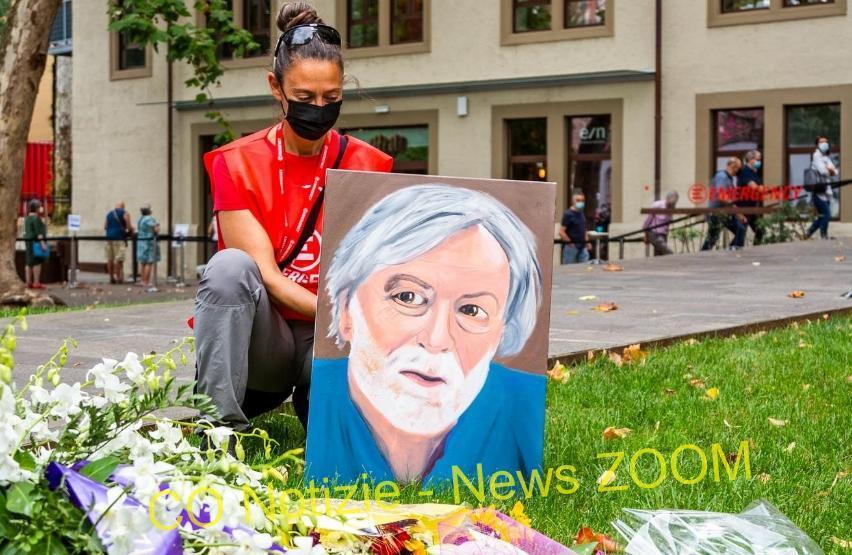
pixel 297 13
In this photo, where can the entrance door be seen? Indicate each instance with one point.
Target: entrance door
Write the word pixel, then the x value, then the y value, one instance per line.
pixel 590 164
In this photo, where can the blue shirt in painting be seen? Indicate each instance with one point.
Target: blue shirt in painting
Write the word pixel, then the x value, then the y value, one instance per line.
pixel 503 429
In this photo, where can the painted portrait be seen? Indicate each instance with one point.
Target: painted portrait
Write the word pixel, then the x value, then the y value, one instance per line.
pixel 431 338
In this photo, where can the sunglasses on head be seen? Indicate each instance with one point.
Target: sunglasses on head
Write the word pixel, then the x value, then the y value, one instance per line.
pixel 303 34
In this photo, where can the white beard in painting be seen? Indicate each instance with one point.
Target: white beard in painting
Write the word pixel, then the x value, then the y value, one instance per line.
pixel 417 392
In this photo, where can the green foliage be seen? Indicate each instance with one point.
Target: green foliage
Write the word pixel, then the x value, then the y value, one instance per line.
pixel 171 24
pixel 785 224
pixel 4 7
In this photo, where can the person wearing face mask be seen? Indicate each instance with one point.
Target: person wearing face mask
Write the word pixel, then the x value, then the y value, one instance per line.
pixel 573 231
pixel 256 301
pixel 821 194
pixel 749 191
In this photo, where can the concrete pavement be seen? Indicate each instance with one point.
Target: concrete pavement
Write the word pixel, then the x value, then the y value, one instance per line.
pixel 657 299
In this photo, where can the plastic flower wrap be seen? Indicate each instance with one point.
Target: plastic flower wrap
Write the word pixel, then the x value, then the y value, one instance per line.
pixel 760 529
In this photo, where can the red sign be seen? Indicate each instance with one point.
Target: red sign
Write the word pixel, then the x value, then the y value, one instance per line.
pixel 698 194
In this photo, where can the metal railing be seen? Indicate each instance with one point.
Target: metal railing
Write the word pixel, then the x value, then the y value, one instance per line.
pixel 177 242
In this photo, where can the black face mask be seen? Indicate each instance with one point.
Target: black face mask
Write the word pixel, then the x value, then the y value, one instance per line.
pixel 310 121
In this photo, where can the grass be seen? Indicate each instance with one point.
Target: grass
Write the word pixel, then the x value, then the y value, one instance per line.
pixel 798 374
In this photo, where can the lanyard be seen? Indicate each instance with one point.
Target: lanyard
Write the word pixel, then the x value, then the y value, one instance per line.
pixel 291 234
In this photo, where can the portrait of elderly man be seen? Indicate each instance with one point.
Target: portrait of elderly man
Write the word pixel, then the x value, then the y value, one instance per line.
pixel 426 290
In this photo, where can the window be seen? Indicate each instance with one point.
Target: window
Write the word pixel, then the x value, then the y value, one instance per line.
pixel 527 149
pixel 128 59
pixel 735 12
pixel 255 16
pixel 407 21
pixel 384 27
pixel 362 23
pixel 530 15
pixel 736 132
pixel 60 31
pixel 590 161
pixel 803 124
pixel 528 21
pixel 408 145
pixel 796 3
pixel 729 6
pixel 131 55
pixel 257 20
pixel 584 13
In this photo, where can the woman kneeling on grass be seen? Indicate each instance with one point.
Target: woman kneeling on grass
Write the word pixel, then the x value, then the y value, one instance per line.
pixel 256 302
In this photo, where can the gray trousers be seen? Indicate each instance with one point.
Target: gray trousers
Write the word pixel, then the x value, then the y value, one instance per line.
pixel 249 358
pixel 660 244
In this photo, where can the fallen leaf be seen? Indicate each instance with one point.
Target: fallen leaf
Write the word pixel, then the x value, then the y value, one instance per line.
pixel 764 477
pixel 697 383
pixel 807 386
pixel 606 307
pixel 587 535
pixel 777 422
pixel 729 425
pixel 590 268
pixel 789 448
pixel 612 268
pixel 606 478
pixel 849 378
pixel 587 298
pixel 796 294
pixel 669 391
pixel 691 341
pixel 803 345
pixel 590 356
pixel 842 543
pixel 839 258
pixel 755 263
pixel 573 312
pixel 616 359
pixel 712 393
pixel 559 373
pixel 825 316
pixel 615 433
pixel 634 353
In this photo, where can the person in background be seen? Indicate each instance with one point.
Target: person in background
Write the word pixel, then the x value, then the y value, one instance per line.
pixel 657 225
pixel 721 193
pixel 750 190
pixel 35 232
pixel 821 197
pixel 573 231
pixel 147 247
pixel 118 228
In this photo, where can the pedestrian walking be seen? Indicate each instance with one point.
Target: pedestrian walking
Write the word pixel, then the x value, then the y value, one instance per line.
pixel 750 191
pixel 722 191
pixel 821 192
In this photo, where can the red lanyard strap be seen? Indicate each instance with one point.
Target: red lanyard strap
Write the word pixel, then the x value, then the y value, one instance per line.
pixel 308 225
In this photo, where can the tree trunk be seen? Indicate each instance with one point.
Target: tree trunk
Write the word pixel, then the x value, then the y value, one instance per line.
pixel 23 53
pixel 62 140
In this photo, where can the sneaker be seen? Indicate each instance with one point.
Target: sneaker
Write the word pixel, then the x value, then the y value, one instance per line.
pixel 38 286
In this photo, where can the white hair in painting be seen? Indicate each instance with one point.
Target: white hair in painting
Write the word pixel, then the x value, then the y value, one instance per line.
pixel 410 222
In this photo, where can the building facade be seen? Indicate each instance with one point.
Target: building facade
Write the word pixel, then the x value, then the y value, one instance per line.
pixel 556 90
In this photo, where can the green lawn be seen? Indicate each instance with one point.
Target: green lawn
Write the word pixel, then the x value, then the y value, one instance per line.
pixel 800 374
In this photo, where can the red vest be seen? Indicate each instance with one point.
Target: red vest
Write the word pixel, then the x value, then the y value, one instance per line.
pixel 253 168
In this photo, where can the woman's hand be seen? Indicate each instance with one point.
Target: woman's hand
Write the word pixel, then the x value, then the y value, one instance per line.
pixel 240 230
